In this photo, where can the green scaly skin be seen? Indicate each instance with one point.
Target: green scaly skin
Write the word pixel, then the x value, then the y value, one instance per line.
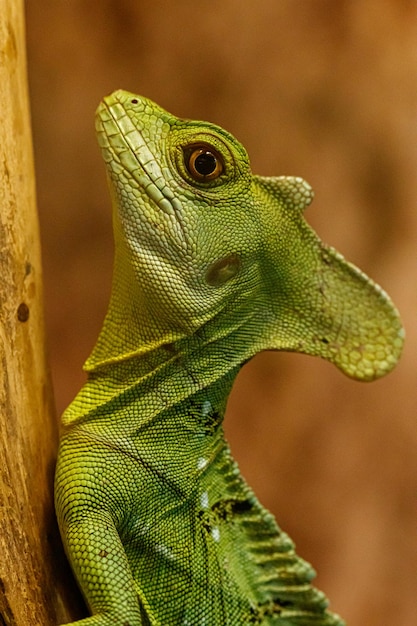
pixel 212 265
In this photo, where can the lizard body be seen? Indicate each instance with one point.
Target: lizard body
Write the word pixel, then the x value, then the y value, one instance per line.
pixel 212 265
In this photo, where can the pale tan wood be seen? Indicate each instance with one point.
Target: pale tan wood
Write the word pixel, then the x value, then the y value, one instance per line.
pixel 32 590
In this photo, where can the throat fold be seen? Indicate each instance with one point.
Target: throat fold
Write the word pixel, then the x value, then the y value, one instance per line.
pixel 164 376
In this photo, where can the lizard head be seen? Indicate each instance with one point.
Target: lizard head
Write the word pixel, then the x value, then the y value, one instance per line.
pixel 206 249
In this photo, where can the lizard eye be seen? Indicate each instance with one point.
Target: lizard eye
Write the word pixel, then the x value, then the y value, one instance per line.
pixel 204 163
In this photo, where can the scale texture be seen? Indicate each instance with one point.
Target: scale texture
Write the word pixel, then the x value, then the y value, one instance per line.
pixel 212 265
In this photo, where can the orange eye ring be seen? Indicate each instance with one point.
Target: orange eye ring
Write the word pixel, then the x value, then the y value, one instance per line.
pixel 204 163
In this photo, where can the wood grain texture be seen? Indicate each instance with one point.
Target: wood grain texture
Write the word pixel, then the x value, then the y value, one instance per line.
pixel 32 577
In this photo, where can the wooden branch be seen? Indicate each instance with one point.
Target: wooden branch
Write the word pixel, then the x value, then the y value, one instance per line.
pixel 33 569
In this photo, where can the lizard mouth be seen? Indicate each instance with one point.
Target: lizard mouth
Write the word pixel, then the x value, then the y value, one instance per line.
pixel 131 165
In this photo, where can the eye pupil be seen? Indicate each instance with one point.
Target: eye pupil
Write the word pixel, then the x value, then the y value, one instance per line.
pixel 205 163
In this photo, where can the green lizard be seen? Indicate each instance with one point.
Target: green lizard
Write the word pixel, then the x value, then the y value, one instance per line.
pixel 212 265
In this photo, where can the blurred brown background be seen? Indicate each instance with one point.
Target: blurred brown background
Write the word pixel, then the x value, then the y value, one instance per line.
pixel 323 89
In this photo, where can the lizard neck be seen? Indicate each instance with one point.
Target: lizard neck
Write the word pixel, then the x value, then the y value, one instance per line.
pixel 166 376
